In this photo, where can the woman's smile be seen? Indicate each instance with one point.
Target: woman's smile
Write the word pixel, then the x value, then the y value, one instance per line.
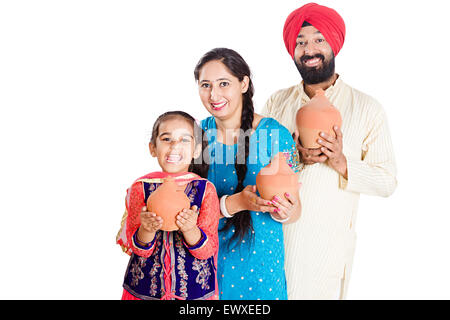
pixel 220 91
pixel 218 105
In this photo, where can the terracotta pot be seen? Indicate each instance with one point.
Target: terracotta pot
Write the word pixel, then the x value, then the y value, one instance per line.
pixel 167 201
pixel 318 115
pixel 276 179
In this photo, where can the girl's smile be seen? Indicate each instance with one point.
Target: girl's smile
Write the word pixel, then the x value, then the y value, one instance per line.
pixel 175 145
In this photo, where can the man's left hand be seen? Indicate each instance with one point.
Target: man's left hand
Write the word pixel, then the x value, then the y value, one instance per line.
pixel 332 148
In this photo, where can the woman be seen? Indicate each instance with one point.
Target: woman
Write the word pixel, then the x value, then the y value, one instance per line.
pixel 241 143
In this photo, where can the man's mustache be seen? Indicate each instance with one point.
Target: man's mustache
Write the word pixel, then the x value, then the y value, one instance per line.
pixel 306 57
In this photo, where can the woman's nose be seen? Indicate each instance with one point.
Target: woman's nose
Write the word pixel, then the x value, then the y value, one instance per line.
pixel 214 93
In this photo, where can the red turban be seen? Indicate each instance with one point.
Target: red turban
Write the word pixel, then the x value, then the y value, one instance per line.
pixel 324 19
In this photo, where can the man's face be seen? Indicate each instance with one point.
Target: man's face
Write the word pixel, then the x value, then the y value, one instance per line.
pixel 313 56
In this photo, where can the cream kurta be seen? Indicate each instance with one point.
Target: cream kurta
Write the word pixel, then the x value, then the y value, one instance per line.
pixel 320 246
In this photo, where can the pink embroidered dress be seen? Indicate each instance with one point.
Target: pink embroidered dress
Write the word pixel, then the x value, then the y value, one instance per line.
pixel 169 268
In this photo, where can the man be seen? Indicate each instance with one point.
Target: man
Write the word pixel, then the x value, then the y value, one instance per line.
pixel 320 246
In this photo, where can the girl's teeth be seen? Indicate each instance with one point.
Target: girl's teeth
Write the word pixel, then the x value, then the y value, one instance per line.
pixel 174 158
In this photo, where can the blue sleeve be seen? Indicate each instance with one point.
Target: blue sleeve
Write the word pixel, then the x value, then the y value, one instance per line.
pixel 285 143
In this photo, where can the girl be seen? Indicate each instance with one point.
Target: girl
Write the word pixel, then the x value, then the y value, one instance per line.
pixel 251 255
pixel 180 264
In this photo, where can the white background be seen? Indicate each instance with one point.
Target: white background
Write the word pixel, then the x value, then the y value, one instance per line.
pixel 81 83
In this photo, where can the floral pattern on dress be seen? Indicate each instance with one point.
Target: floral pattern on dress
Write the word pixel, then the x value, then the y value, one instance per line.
pixel 136 270
pixel 293 159
pixel 202 267
pixel 146 277
pixel 181 265
pixel 191 190
pixel 155 267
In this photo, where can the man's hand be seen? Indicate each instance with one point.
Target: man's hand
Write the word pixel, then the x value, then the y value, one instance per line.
pixel 332 149
pixel 308 156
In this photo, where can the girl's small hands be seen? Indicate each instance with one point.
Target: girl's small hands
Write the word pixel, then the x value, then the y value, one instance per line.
pixel 150 222
pixel 186 220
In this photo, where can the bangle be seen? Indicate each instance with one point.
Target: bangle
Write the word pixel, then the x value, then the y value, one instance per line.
pixel 223 207
pixel 278 220
pixel 142 243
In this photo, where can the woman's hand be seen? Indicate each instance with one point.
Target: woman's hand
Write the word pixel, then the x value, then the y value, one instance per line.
pixel 247 199
pixel 288 209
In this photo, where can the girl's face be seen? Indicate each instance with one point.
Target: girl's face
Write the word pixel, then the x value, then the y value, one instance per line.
pixel 175 145
pixel 220 91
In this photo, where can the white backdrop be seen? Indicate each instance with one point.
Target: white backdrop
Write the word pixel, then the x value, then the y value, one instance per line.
pixel 81 83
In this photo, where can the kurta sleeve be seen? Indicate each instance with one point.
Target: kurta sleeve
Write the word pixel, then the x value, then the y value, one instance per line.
pixel 208 223
pixel 289 149
pixel 374 173
pixel 134 202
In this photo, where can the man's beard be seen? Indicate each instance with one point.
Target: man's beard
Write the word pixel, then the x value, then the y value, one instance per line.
pixel 316 75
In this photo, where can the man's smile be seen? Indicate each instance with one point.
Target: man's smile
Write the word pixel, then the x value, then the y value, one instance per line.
pixel 312 62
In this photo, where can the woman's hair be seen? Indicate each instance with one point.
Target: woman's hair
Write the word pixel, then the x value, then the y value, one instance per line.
pixel 199 165
pixel 241 221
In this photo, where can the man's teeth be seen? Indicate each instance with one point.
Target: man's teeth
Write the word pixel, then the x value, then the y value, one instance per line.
pixel 313 61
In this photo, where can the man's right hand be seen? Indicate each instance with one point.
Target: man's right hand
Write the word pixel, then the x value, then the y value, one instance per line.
pixel 308 156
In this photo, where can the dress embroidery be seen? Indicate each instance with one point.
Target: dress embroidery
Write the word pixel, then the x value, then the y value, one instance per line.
pixel 136 271
pixel 191 190
pixel 181 265
pixel 155 267
pixel 293 158
pixel 202 266
pixel 256 269
pixel 168 263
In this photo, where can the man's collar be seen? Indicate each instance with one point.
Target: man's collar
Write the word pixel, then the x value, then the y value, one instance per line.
pixel 329 90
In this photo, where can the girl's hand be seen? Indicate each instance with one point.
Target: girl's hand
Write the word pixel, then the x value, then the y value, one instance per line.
pixel 150 222
pixel 186 220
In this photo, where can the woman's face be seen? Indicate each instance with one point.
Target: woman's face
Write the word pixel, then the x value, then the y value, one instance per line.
pixel 175 146
pixel 220 91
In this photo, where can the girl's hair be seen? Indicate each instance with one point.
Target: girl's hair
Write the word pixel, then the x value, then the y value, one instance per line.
pixel 199 165
pixel 241 221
